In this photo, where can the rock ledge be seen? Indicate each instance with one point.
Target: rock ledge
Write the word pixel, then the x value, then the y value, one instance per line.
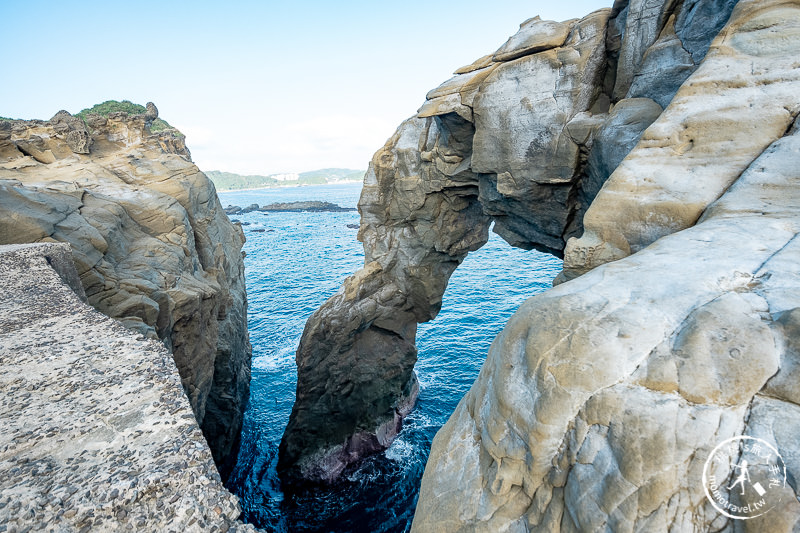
pixel 97 432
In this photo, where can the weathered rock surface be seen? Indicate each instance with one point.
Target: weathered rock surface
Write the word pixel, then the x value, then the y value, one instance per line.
pixel 73 131
pixel 97 432
pixel 151 242
pixel 742 98
pixel 357 352
pixel 529 161
pixel 524 139
pixel 534 35
pixel 601 400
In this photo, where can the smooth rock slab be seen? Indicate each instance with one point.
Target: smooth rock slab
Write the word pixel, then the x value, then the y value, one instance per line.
pixel 742 98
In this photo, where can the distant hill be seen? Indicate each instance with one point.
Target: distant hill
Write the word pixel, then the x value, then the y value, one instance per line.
pixel 334 174
pixel 229 181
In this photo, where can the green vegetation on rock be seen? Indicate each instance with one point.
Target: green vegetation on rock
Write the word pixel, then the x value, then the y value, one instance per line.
pixel 113 106
pixel 229 181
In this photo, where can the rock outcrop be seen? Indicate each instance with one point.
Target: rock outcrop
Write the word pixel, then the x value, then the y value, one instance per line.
pixel 151 242
pixel 742 98
pixel 602 399
pixel 523 139
pixel 97 432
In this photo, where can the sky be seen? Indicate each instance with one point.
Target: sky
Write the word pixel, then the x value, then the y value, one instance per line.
pixel 258 87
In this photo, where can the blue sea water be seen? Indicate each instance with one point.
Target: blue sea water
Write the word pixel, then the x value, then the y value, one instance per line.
pixel 293 266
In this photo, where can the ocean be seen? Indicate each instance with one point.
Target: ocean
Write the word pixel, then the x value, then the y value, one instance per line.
pixel 293 266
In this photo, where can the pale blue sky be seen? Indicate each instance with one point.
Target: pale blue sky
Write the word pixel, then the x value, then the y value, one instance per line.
pixel 258 87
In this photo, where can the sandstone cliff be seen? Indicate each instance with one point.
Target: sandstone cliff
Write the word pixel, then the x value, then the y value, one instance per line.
pixel 151 242
pixel 651 144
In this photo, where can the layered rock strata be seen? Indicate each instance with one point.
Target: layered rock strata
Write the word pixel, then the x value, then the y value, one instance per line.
pixel 152 245
pixel 523 139
pixel 97 431
pixel 742 98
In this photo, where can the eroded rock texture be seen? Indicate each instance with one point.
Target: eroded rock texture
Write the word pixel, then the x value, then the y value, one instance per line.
pixel 523 138
pixel 602 399
pixel 151 242
pixel 357 353
pixel 742 98
pixel 97 432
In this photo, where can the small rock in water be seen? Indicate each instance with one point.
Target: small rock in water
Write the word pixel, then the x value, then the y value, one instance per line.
pixel 305 206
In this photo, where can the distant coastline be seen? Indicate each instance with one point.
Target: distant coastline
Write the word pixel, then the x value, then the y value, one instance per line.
pixel 289 186
pixel 229 181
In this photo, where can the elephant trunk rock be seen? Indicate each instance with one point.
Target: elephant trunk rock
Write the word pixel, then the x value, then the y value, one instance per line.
pixel 524 139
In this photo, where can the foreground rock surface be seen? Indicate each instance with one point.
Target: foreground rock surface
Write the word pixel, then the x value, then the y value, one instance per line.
pixel 152 246
pixel 608 425
pixel 97 431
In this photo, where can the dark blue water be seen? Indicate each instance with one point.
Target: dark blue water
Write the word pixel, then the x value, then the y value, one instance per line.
pixel 292 267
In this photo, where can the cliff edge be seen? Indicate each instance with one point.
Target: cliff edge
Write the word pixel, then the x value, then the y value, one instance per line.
pixel 97 431
pixel 152 245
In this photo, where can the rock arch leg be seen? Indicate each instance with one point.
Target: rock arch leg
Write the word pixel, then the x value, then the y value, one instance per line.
pixel 420 218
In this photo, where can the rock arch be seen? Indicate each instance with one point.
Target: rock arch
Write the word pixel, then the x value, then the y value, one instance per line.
pixel 525 139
